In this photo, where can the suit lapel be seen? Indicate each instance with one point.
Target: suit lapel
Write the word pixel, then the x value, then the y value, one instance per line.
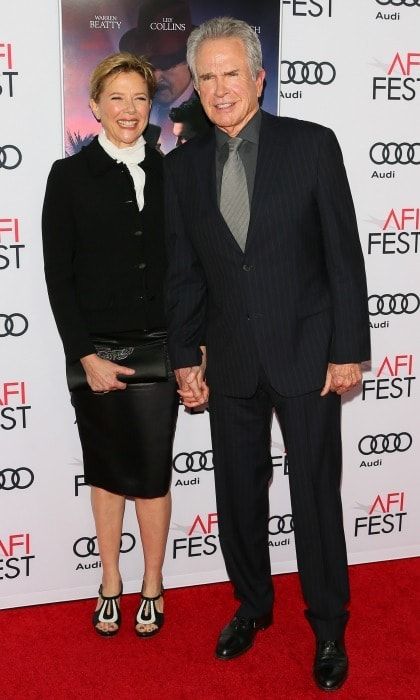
pixel 269 156
pixel 206 173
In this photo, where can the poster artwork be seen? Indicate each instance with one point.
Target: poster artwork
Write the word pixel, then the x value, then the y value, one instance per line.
pixel 157 29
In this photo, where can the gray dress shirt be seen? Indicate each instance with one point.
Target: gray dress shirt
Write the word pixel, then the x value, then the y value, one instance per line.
pixel 248 152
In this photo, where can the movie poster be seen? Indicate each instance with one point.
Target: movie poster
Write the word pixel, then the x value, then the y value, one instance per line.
pixel 158 29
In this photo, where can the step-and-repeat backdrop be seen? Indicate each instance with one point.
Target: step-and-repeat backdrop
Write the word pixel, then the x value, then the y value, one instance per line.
pixel 353 66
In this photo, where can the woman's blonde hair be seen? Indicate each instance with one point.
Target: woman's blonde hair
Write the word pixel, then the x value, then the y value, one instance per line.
pixel 122 62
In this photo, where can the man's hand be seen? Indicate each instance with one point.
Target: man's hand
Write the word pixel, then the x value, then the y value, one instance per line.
pixel 193 389
pixel 341 378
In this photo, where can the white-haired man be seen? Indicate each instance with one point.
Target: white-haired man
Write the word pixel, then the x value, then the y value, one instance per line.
pixel 266 266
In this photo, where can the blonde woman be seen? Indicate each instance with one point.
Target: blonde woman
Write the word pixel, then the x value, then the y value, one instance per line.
pixel 105 264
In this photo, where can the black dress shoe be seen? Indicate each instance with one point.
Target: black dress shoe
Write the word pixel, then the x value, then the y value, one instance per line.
pixel 238 636
pixel 330 665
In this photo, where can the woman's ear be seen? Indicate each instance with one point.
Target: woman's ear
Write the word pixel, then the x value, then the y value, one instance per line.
pixel 95 109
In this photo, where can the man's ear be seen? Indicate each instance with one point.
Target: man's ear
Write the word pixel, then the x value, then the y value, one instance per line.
pixel 260 81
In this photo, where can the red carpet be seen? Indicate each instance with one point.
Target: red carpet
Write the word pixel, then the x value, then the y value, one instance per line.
pixel 50 651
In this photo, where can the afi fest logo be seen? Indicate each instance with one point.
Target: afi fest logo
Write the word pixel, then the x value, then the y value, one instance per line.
pixel 13 406
pixel 376 446
pixel 15 555
pixel 400 233
pixel 10 244
pixel 308 8
pixel 385 515
pixel 200 537
pixel 7 74
pixel 394 379
pixel 402 78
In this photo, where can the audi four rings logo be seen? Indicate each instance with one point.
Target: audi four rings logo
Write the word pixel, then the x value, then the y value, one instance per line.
pixel 88 546
pixel 280 524
pixel 379 444
pixel 398 3
pixel 10 157
pixel 397 304
pixel 311 73
pixel 392 153
pixel 13 324
pixel 193 462
pixel 21 478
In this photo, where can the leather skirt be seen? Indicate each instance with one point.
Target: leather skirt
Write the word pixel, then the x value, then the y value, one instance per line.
pixel 127 437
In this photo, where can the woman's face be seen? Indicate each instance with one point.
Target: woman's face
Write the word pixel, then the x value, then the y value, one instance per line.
pixel 123 108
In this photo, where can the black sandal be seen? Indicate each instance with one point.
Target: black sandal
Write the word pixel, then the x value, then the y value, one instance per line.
pixel 148 615
pixel 107 612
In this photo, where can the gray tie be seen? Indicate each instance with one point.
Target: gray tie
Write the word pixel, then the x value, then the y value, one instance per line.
pixel 234 200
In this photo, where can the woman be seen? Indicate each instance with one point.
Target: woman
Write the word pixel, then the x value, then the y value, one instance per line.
pixel 105 265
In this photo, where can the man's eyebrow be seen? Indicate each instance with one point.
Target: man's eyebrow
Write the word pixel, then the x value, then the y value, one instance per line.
pixel 206 76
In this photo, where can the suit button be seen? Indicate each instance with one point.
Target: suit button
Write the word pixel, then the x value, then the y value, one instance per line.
pixel 247 268
pixel 141 266
pixel 138 233
pixel 141 297
pixel 128 201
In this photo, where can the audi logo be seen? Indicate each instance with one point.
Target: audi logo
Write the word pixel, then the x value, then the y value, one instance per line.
pixel 393 153
pixel 193 462
pixel 397 304
pixel 379 444
pixel 280 524
pixel 10 157
pixel 13 324
pixel 398 3
pixel 88 546
pixel 311 73
pixel 21 478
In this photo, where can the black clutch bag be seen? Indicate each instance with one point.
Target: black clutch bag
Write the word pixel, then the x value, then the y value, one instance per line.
pixel 149 359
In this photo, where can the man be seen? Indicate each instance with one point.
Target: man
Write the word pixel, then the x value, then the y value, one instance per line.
pixel 266 266
pixel 161 34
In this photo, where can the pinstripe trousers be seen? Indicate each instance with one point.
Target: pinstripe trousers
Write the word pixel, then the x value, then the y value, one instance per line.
pixel 241 434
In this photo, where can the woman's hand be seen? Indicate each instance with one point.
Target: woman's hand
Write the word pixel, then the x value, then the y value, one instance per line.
pixel 101 374
pixel 193 389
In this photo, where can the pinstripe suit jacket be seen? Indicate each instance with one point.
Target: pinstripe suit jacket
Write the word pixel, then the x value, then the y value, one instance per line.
pixel 296 298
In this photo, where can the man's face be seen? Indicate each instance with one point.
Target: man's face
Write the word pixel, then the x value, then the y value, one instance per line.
pixel 228 92
pixel 172 82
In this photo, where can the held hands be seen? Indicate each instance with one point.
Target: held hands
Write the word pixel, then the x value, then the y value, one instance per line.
pixel 101 374
pixel 193 389
pixel 341 378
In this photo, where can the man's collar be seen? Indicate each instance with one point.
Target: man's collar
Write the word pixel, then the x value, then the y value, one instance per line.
pixel 250 132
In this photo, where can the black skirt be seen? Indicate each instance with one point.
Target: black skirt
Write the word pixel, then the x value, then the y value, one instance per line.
pixel 127 437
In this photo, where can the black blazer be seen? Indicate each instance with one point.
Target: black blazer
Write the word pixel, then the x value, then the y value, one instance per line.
pixel 296 298
pixel 105 261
